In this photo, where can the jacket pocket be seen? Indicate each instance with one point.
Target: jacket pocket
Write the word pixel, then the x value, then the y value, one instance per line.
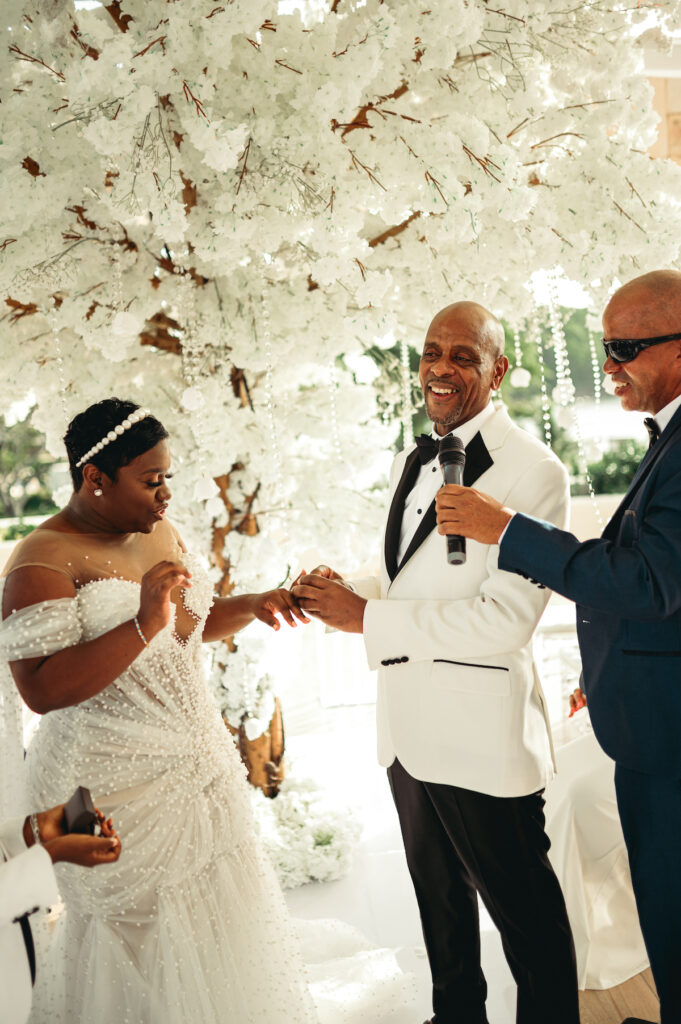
pixel 467 677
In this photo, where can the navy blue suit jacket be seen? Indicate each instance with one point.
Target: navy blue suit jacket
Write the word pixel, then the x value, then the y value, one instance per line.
pixel 627 586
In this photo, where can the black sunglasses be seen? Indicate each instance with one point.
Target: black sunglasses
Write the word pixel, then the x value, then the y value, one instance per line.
pixel 623 350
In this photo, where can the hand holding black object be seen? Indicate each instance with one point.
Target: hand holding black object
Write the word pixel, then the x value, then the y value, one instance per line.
pixel 84 850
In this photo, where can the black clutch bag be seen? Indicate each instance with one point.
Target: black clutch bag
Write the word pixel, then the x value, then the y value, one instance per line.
pixel 79 813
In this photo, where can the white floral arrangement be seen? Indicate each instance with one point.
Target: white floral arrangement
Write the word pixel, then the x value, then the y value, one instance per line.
pixel 217 210
pixel 307 837
pixel 242 691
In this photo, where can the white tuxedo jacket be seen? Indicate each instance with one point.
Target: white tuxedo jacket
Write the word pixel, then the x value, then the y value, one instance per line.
pixel 459 700
pixel 27 883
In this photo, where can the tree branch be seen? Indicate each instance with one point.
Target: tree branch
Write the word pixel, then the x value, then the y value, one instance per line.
pixel 360 118
pixel 357 163
pixel 122 20
pixel 35 60
pixel 395 230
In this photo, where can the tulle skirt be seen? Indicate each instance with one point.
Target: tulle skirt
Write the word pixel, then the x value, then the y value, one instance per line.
pixel 190 926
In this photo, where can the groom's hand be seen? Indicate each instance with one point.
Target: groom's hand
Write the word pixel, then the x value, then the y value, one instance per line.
pixel 330 600
pixel 321 570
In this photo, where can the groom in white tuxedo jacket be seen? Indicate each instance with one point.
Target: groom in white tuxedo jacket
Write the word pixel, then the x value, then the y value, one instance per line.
pixel 27 884
pixel 462 725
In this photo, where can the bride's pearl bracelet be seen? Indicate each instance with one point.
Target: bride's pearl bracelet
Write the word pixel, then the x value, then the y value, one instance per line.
pixel 140 633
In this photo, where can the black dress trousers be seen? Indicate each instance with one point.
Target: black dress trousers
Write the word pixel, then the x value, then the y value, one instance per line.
pixel 460 843
pixel 650 812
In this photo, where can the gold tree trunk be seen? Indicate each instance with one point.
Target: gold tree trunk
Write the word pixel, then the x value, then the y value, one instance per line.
pixel 264 756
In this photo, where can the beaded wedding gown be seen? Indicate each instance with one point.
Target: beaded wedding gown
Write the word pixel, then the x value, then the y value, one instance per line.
pixel 190 925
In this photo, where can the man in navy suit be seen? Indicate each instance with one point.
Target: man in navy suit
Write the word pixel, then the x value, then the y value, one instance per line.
pixel 627 586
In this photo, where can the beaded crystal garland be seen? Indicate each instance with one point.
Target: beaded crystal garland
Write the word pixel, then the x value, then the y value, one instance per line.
pixel 113 435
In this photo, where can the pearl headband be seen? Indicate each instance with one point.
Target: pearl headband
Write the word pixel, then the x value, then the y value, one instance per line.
pixel 113 435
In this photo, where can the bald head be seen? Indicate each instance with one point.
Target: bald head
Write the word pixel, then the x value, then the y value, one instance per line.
pixel 488 328
pixel 462 362
pixel 648 306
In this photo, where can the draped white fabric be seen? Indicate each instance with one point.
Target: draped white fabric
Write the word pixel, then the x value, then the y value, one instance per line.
pixel 30 632
pixel 190 924
pixel 590 859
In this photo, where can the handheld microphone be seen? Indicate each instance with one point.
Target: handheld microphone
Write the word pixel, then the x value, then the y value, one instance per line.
pixel 452 456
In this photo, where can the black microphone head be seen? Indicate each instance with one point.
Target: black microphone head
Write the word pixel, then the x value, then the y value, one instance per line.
pixel 452 451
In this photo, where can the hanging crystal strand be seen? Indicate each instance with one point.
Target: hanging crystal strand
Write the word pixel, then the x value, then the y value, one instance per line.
pixel 566 390
pixel 269 393
pixel 335 431
pixel 190 356
pixel 517 350
pixel 598 387
pixel 536 339
pixel 519 377
pixel 117 279
pixel 595 368
pixel 51 314
pixel 191 373
pixel 407 426
pixel 53 321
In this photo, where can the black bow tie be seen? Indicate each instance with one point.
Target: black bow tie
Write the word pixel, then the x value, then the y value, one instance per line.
pixel 428 448
pixel 653 430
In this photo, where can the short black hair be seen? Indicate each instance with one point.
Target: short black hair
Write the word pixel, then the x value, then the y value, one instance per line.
pixel 89 427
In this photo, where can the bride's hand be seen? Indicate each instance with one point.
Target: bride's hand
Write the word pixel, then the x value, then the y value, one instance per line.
pixel 86 851
pixel 156 587
pixel 266 607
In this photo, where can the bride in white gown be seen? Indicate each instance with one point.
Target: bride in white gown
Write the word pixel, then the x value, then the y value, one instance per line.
pixel 104 613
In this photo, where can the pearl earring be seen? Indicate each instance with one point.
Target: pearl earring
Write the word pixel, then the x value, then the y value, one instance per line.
pixel 98 492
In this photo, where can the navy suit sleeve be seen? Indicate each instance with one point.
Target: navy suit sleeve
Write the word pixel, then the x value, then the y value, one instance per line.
pixel 637 578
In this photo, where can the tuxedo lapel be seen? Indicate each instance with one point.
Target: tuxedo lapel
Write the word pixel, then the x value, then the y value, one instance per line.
pixel 410 472
pixel 478 460
pixel 646 464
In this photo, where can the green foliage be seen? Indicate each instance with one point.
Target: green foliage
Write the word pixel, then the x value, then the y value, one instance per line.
pixel 613 473
pixel 15 531
pixel 24 471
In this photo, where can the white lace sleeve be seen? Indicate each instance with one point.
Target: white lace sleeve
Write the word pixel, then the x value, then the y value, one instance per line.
pixel 39 629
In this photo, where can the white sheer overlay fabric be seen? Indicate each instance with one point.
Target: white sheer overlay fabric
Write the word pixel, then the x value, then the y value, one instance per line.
pixel 190 924
pixel 30 632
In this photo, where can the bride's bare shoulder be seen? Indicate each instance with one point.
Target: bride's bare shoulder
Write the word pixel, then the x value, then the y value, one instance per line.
pixel 45 544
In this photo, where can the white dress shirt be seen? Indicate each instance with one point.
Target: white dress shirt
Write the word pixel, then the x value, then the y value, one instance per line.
pixel 663 417
pixel 429 481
